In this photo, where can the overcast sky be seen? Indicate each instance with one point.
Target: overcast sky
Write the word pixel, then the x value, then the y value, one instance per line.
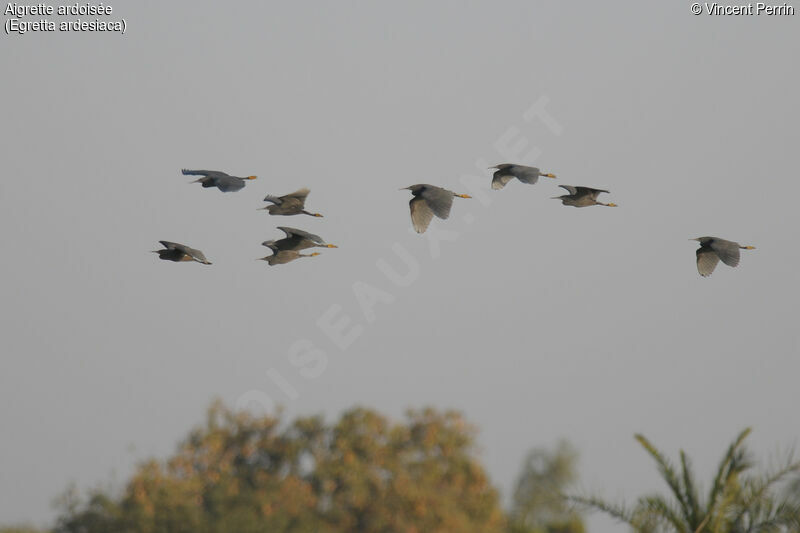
pixel 538 321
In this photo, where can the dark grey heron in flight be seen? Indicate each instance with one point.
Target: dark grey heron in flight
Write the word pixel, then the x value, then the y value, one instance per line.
pixel 297 239
pixel 220 180
pixel 430 200
pixel 281 257
pixel 581 196
pixel 506 172
pixel 289 204
pixel 174 251
pixel 712 249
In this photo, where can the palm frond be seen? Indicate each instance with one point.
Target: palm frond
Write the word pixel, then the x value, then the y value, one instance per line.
pixel 690 492
pixel 755 499
pixel 732 462
pixel 667 472
pixel 620 512
pixel 651 509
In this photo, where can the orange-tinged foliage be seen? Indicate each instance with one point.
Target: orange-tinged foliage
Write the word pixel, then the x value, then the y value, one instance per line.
pixel 364 473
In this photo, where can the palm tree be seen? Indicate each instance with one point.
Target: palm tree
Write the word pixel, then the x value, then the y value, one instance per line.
pixel 737 502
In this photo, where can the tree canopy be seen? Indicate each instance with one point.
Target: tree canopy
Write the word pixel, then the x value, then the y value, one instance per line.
pixel 250 474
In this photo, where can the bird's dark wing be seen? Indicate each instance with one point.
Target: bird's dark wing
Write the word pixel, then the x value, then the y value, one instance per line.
pixel 529 175
pixel 589 191
pixel 300 194
pixel 707 261
pixel 727 251
pixel 500 179
pixel 174 246
pixel 421 214
pixel 570 189
pixel 439 200
pixel 277 200
pixel 229 183
pixel 300 233
pixel 209 173
pixel 197 255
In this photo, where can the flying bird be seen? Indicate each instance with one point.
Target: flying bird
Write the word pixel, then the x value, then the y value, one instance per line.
pixel 174 251
pixel 712 249
pixel 430 200
pixel 297 239
pixel 506 172
pixel 289 204
pixel 581 196
pixel 281 257
pixel 220 180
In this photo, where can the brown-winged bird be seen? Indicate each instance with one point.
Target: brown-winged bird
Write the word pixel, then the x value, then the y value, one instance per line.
pixel 506 172
pixel 712 249
pixel 581 196
pixel 281 257
pixel 297 239
pixel 430 200
pixel 220 180
pixel 289 204
pixel 174 251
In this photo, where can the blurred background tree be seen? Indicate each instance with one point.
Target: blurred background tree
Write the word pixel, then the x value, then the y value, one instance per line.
pixel 254 474
pixel 539 504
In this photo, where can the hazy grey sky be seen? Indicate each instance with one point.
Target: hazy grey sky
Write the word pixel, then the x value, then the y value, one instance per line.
pixel 538 321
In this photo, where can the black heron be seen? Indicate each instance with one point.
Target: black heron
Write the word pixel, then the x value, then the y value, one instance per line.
pixel 220 180
pixel 430 200
pixel 712 249
pixel 506 172
pixel 297 239
pixel 281 257
pixel 174 251
pixel 289 204
pixel 581 196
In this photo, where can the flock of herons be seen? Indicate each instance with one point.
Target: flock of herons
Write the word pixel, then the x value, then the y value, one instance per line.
pixel 428 200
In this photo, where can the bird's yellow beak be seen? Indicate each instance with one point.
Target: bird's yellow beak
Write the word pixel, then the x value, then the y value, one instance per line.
pixel 251 177
pixel 463 195
pixel 317 215
pixel 549 175
pixel 749 247
pixel 331 246
pixel 315 253
pixel 611 205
